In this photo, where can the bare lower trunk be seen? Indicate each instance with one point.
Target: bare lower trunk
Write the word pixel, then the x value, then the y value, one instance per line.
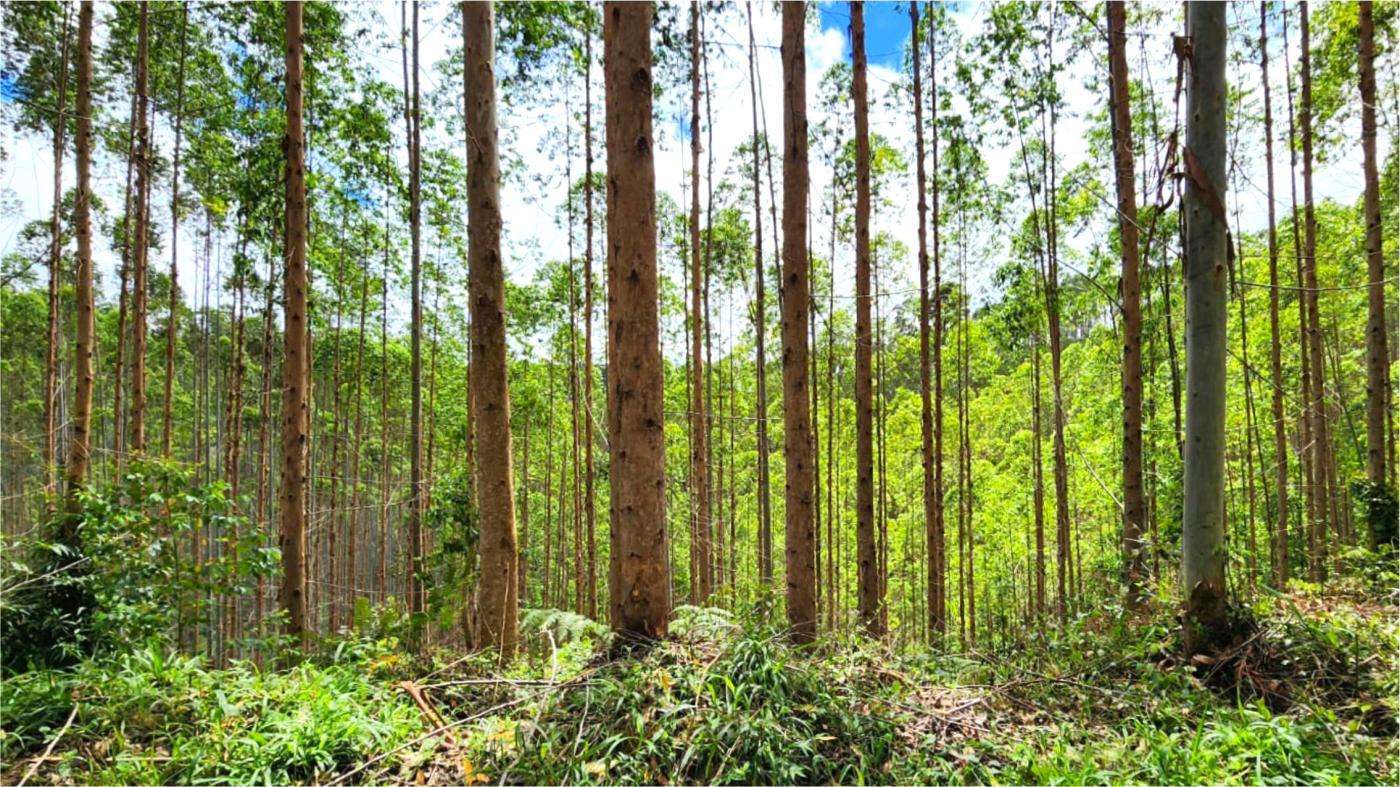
pixel 1377 351
pixel 639 571
pixel 80 448
pixel 497 601
pixel 1280 544
pixel 1203 507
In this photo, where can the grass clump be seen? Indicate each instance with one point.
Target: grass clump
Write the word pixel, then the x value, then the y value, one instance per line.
pixel 152 718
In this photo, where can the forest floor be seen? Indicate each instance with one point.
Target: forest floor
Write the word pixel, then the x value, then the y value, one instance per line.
pixel 1306 695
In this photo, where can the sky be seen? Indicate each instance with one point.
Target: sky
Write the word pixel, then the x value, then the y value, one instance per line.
pixel 531 202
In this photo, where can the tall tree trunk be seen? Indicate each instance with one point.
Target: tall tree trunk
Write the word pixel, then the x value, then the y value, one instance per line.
pixel 264 441
pixel 1038 479
pixel 639 572
pixel 352 577
pixel 333 522
pixel 80 448
pixel 140 251
pixel 60 129
pixel 416 598
pixel 498 601
pixel 1203 504
pixel 522 591
pixel 549 599
pixel 1377 352
pixel 1280 544
pixel 938 557
pixel 123 293
pixel 172 329
pixel 699 469
pixel 799 537
pixel 295 418
pixel 1321 439
pixel 381 579
pixel 867 559
pixel 589 495
pixel 765 519
pixel 1134 504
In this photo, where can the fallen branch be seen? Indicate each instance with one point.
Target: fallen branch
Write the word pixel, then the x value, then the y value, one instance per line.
pixel 48 751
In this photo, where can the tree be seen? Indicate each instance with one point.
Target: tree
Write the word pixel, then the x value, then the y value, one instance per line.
pixel 1134 504
pixel 1203 503
pixel 295 407
pixel 172 325
pixel 638 573
pixel 1280 545
pixel 699 459
pixel 498 600
pixel 412 117
pixel 868 572
pixel 760 330
pixel 80 450
pixel 799 491
pixel 141 231
pixel 1377 352
pixel 60 127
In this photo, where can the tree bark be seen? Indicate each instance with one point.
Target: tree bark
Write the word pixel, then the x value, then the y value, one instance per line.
pixel 416 599
pixel 1377 352
pixel 1134 504
pixel 639 571
pixel 60 129
pixel 867 560
pixel 1280 544
pixel 498 600
pixel 699 470
pixel 799 538
pixel 80 448
pixel 765 519
pixel 172 330
pixel 1203 504
pixel 1321 438
pixel 137 442
pixel 295 418
pixel 589 495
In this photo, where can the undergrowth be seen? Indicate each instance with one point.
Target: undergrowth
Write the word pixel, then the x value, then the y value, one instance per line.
pixel 1310 698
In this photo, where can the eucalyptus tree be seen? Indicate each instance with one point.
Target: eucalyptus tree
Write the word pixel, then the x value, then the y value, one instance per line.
pixel 868 594
pixel 799 492
pixel 1279 551
pixel 1134 504
pixel 81 447
pixel 1377 350
pixel 295 397
pixel 141 250
pixel 498 601
pixel 638 571
pixel 1203 504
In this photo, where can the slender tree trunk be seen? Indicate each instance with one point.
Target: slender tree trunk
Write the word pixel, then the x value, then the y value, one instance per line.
pixel 1322 451
pixel 333 522
pixel 123 291
pixel 797 438
pixel 381 579
pixel 590 498
pixel 1038 476
pixel 60 129
pixel 699 469
pixel 142 231
pixel 352 577
pixel 498 601
pixel 416 598
pixel 639 571
pixel 1134 504
pixel 575 423
pixel 264 442
pixel 172 330
pixel 868 560
pixel 938 555
pixel 925 359
pixel 295 418
pixel 522 590
pixel 1377 351
pixel 1203 505
pixel 1280 544
pixel 80 449
pixel 765 526
pixel 549 599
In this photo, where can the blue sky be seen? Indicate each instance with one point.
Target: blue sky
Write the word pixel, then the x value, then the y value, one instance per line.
pixel 886 28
